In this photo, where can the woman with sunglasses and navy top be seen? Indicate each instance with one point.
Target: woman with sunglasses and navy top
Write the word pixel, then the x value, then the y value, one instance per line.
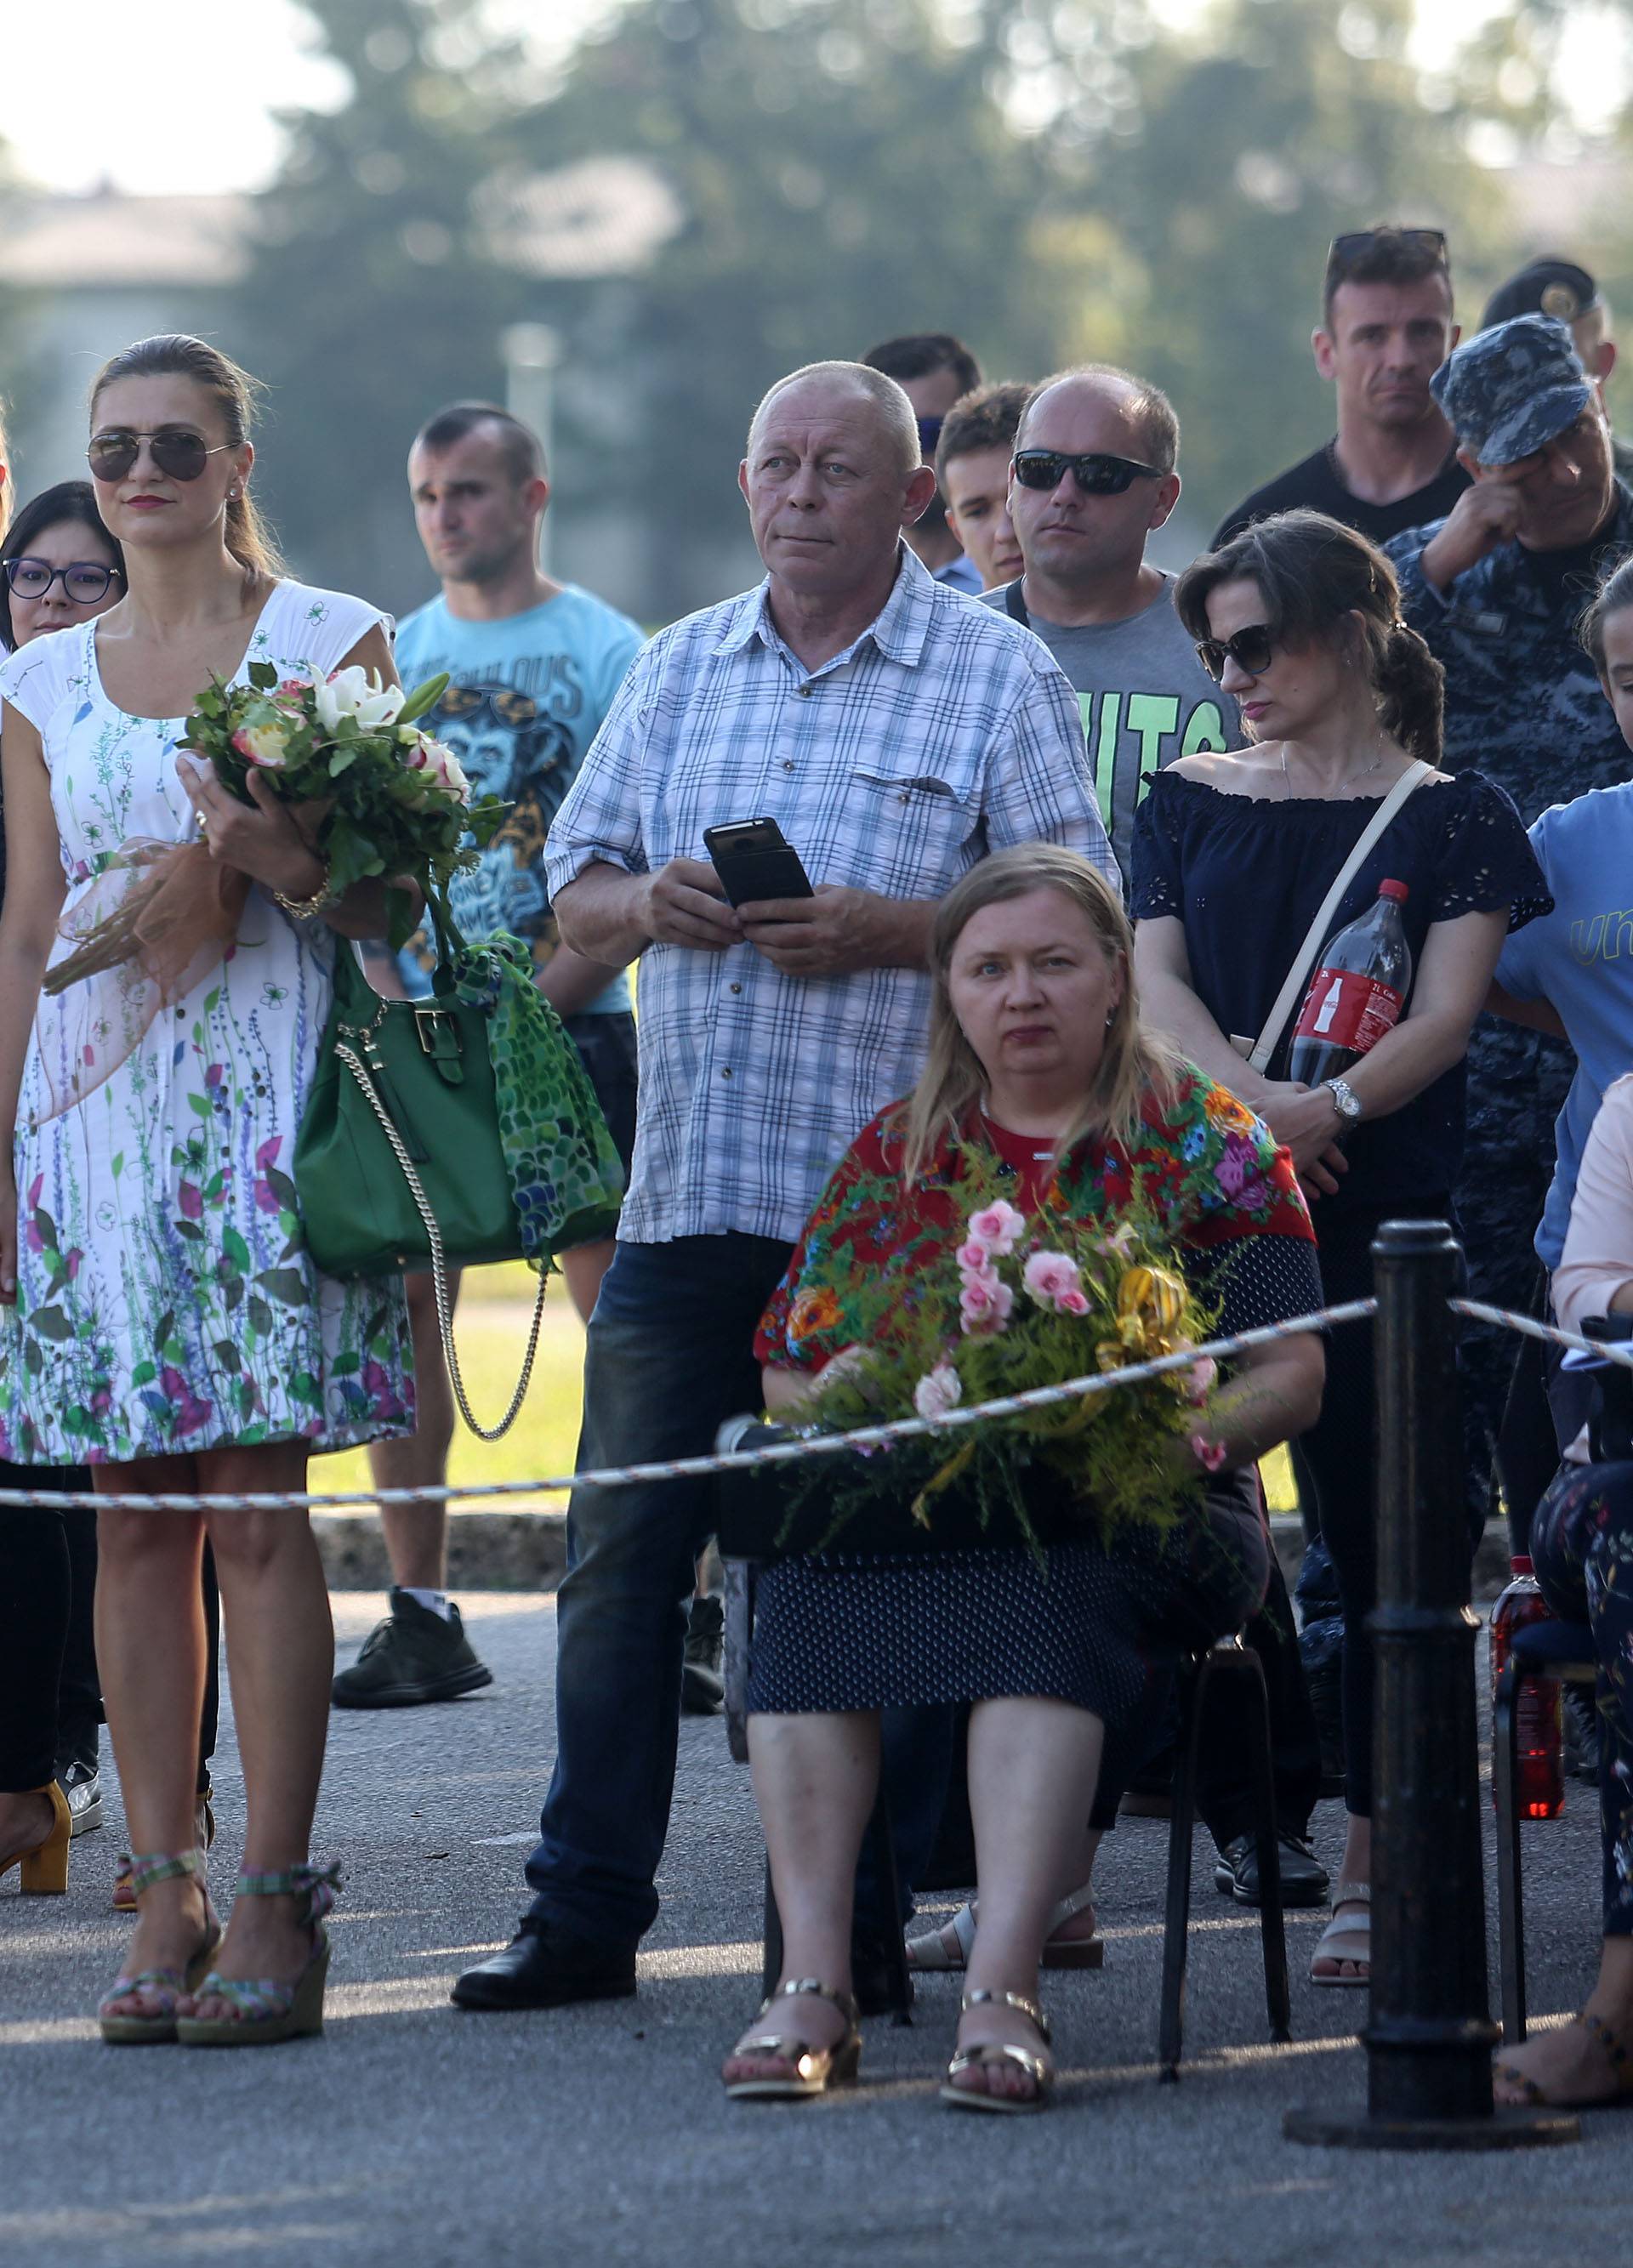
pixel 167 1326
pixel 1234 854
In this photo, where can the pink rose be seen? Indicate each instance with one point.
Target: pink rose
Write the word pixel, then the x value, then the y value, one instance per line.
pixel 937 1392
pixel 1050 1277
pixel 1073 1303
pixel 1210 1455
pixel 974 1259
pixel 985 1304
pixel 998 1226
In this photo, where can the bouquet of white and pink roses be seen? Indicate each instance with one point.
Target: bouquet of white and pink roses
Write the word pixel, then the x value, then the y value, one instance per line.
pixel 1022 1302
pixel 380 796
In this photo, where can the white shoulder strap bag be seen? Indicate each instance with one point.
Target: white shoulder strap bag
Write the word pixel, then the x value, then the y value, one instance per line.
pixel 1260 1051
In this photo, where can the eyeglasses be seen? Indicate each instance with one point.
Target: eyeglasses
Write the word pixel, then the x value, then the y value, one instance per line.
pixel 180 455
pixel 84 580
pixel 1095 474
pixel 1249 649
pixel 1430 243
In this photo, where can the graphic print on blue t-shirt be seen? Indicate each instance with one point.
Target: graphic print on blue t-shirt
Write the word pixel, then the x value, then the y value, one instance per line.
pixel 528 695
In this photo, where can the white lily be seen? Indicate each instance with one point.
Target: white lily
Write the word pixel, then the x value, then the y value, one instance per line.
pixel 356 692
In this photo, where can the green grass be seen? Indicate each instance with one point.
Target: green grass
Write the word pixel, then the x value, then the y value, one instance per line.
pixel 491 1332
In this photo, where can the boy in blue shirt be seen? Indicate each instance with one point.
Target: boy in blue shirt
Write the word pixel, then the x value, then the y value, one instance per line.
pixel 533 666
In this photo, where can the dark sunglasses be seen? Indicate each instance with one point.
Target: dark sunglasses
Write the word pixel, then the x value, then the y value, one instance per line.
pixel 1095 473
pixel 929 434
pixel 1249 649
pixel 1346 250
pixel 83 580
pixel 178 453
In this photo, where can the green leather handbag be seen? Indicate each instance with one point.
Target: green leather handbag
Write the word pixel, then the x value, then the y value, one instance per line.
pixel 400 1161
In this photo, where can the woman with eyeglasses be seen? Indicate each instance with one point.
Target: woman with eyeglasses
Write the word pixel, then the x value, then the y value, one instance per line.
pixel 1299 619
pixel 59 566
pixel 167 1327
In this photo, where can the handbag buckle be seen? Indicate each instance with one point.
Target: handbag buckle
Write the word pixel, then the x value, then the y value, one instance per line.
pixel 439 1039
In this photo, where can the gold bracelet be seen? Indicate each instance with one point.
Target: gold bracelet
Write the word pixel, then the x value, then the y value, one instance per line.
pixel 304 908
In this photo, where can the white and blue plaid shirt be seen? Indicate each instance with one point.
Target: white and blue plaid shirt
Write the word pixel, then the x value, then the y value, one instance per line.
pixel 943 732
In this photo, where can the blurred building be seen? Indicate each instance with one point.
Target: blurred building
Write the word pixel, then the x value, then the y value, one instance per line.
pixel 89 274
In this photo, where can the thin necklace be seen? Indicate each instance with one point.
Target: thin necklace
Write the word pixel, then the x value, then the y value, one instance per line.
pixel 1348 779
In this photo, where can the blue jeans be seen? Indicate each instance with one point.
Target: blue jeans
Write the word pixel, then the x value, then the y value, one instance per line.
pixel 670 1353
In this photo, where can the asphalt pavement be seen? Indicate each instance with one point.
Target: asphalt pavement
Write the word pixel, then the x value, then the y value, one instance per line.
pixel 416 2135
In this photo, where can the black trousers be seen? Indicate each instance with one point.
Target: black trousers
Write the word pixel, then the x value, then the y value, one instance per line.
pixel 50 1693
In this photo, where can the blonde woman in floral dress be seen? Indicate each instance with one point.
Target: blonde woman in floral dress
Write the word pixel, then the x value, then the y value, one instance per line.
pixel 167 1326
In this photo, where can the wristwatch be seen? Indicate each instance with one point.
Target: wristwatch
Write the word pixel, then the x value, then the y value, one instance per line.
pixel 1346 1101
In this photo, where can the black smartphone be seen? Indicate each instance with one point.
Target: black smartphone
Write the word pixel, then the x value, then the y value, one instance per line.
pixel 755 861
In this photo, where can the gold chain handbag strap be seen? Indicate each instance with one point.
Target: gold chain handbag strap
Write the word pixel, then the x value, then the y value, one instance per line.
pixel 438 1266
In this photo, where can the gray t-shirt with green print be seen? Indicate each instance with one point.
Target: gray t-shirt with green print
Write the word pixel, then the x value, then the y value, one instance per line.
pixel 1145 700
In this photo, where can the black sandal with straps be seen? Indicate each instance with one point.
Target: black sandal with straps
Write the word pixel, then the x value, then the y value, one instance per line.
pixel 815 2070
pixel 996 2051
pixel 1617 2054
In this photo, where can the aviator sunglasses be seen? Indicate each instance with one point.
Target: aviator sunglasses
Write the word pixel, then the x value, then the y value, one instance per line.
pixel 1249 649
pixel 84 580
pixel 1096 473
pixel 179 454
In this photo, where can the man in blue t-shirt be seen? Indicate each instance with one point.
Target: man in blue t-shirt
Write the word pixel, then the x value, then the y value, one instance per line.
pixel 533 666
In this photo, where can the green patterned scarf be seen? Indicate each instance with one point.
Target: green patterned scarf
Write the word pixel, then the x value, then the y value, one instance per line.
pixel 565 1173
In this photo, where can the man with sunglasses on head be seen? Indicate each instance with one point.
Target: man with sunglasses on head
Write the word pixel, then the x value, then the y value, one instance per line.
pixel 1385 328
pixel 534 665
pixel 1498 588
pixel 1092 477
pixel 934 370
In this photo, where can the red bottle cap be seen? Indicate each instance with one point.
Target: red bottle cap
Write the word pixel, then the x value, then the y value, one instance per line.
pixel 1520 1565
pixel 1398 891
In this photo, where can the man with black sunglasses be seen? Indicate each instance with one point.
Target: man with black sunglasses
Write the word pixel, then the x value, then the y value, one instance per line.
pixel 1093 478
pixel 1385 328
pixel 934 370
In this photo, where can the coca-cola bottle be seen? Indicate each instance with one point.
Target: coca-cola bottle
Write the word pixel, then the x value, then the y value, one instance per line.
pixel 1357 992
pixel 1538 1729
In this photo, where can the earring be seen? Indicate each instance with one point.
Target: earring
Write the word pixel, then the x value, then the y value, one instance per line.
pixel 1112 1017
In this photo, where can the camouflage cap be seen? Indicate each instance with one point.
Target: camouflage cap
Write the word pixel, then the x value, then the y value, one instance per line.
pixel 1510 389
pixel 1548 286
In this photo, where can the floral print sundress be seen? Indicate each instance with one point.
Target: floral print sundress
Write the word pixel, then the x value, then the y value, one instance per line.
pixel 165 1302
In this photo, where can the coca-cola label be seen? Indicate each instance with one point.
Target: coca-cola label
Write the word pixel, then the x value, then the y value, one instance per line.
pixel 1345 1008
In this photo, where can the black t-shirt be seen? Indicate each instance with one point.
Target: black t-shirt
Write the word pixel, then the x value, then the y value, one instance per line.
pixel 1315 483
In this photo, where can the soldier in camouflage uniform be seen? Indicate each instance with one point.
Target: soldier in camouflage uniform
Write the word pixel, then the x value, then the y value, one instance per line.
pixel 1497 589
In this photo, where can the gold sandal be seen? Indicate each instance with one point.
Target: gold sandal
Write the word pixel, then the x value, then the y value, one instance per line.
pixel 166 1985
pixel 815 2069
pixel 1616 2053
pixel 42 1869
pixel 996 2051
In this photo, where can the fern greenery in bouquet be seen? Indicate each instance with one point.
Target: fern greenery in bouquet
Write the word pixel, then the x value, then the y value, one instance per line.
pixel 1021 1302
pixel 383 797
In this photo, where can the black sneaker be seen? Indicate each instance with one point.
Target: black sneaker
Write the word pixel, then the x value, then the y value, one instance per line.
pixel 1303 1877
pixel 702 1688
pixel 81 1783
pixel 412 1656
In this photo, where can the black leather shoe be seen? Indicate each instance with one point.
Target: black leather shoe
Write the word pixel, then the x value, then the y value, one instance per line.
pixel 1303 1877
pixel 546 1967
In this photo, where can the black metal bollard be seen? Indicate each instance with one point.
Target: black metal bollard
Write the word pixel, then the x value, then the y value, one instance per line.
pixel 1429 2037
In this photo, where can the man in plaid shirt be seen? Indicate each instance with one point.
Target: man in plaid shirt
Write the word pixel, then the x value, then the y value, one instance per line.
pixel 898 731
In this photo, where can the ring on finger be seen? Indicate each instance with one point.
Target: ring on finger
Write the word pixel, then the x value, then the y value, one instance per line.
pixel 203 817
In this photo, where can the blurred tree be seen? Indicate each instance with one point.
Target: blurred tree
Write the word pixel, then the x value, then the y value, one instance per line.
pixel 1052 179
pixel 369 300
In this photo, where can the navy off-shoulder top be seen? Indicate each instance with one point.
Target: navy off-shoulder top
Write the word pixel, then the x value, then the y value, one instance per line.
pixel 1246 875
